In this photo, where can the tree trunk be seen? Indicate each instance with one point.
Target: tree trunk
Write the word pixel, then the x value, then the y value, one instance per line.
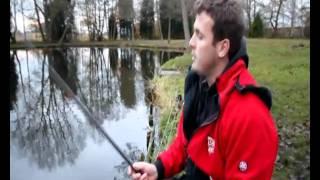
pixel 169 29
pixel 38 20
pixel 159 19
pixel 275 32
pixel 254 8
pixel 63 34
pixel 293 16
pixel 248 12
pixel 24 28
pixel 47 22
pixel 185 23
pixel 15 21
pixel 12 38
pixel 117 28
pixel 160 29
pixel 132 30
pixel 114 30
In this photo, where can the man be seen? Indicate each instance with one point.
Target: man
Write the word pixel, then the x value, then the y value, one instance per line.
pixel 225 130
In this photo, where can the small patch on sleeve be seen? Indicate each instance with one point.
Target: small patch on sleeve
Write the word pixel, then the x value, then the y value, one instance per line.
pixel 243 166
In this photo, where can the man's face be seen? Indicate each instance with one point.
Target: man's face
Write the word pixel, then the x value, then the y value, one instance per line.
pixel 204 53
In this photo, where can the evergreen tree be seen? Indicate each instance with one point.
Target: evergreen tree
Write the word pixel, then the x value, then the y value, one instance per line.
pixel 147 19
pixel 257 27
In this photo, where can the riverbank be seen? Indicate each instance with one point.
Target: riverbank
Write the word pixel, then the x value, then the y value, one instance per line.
pixel 175 45
pixel 281 65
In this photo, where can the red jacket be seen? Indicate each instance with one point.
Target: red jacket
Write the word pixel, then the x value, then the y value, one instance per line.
pixel 241 143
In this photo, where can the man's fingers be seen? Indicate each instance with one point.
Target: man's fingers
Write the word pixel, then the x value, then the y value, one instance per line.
pixel 143 177
pixel 138 165
pixel 136 176
pixel 138 171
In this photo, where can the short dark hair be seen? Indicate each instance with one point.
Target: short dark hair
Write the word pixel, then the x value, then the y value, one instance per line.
pixel 228 20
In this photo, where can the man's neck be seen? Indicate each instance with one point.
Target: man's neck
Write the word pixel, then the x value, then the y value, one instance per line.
pixel 216 72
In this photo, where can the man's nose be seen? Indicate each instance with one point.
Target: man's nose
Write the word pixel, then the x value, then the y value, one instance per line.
pixel 191 42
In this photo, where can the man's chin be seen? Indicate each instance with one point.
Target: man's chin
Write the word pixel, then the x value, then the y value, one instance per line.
pixel 195 68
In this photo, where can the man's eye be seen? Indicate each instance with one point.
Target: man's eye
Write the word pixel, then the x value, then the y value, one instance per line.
pixel 200 36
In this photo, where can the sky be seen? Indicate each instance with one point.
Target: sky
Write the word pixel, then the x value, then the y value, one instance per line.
pixel 28 7
pixel 29 10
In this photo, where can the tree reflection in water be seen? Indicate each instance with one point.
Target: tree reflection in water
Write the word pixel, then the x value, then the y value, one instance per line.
pixel 45 126
pixel 100 84
pixel 127 78
pixel 45 133
pixel 147 64
pixel 13 82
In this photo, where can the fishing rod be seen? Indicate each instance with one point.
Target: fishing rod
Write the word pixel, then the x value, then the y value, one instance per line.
pixel 56 77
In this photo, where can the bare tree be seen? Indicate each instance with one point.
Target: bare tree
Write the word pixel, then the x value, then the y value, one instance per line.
pixel 22 13
pixel 37 8
pixel 272 11
pixel 247 5
pixel 185 22
pixel 159 18
pixel 14 15
pixel 95 13
pixel 251 8
pixel 68 22
pixel 274 24
pixel 12 34
pixel 255 3
pixel 304 18
pixel 290 13
pixel 293 14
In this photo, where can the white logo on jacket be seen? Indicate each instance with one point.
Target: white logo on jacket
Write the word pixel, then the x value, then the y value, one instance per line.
pixel 211 144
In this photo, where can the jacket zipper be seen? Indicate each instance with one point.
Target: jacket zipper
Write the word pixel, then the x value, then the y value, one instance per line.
pixel 215 116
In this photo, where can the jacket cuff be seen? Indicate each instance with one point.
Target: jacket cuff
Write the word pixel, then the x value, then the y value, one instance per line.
pixel 160 168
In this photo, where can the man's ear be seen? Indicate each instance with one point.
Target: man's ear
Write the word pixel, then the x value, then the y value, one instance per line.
pixel 223 48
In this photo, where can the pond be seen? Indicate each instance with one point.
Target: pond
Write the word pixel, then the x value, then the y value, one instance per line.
pixel 50 138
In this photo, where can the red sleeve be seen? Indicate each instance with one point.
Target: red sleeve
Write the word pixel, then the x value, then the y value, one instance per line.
pixel 174 157
pixel 250 142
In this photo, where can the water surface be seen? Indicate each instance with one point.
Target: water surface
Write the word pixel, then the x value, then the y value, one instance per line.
pixel 50 137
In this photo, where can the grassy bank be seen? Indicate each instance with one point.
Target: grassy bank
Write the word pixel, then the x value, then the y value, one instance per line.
pixel 281 65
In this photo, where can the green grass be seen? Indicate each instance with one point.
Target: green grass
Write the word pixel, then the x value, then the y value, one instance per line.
pixel 284 69
pixel 180 63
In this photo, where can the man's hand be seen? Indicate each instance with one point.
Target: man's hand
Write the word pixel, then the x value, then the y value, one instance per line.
pixel 149 171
